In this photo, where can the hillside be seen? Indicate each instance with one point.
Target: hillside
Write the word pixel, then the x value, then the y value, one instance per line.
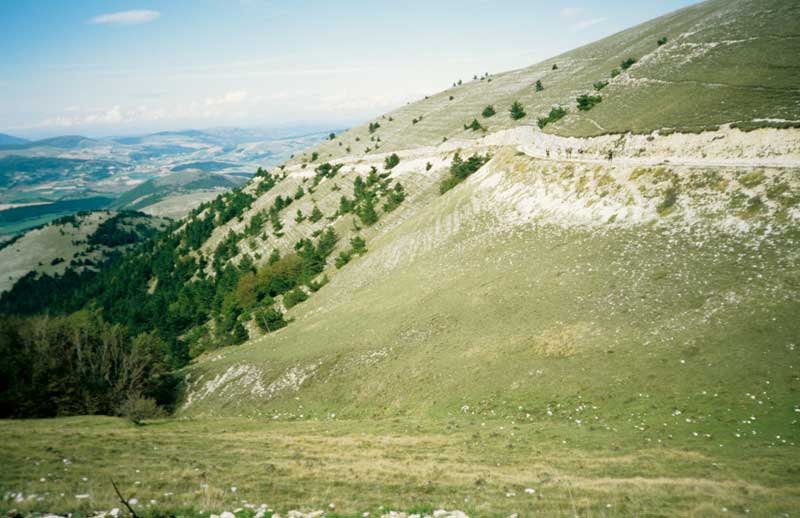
pixel 82 241
pixel 176 194
pixel 723 63
pixel 592 315
pixel 10 140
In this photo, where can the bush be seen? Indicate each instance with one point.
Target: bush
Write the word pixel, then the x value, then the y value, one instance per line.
pixel 316 215
pixel 517 112
pixel 137 408
pixel 428 166
pixel 342 259
pixel 615 73
pixel 488 112
pixel 294 297
pixel 240 334
pixel 474 125
pixel 314 156
pixel 395 197
pixel 670 198
pixel 556 113
pixel 373 127
pixel 358 245
pixel 269 319
pixel 539 86
pixel 662 41
pixel 587 102
pixel 460 170
pixel 366 212
pixel 555 67
pixel 628 63
pixel 332 136
pixel 599 85
pixel 391 161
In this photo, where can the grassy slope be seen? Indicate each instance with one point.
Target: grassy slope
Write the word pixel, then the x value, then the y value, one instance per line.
pixel 39 247
pixel 547 324
pixel 725 62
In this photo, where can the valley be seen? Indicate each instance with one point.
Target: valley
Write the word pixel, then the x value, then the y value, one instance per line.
pixel 570 289
pixel 88 174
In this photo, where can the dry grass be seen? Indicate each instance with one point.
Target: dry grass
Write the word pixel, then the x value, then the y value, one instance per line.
pixel 478 466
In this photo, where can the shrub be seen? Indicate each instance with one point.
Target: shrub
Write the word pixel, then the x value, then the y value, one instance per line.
pixel 488 112
pixel 314 156
pixel 391 161
pixel 332 136
pixel 269 319
pixel 587 102
pixel 517 112
pixel 460 170
pixel 451 97
pixel 366 212
pixel 345 205
pixel 474 125
pixel 394 197
pixel 556 113
pixel 299 218
pixel 599 85
pixel 555 67
pixel 373 127
pixel 137 408
pixel 539 86
pixel 628 63
pixel 294 297
pixel 240 334
pixel 615 73
pixel 670 197
pixel 316 215
pixel 342 259
pixel 358 245
pixel 428 166
pixel 662 41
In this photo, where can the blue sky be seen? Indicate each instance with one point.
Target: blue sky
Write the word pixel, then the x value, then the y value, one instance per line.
pixel 106 67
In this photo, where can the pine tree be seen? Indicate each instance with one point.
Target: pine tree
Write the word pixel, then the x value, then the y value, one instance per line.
pixel 517 112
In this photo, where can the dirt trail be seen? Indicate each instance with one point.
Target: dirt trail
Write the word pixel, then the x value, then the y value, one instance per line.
pixel 562 155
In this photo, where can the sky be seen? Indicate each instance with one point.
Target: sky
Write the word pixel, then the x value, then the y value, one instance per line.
pixel 118 67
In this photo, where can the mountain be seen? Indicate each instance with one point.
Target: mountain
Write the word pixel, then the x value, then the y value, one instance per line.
pixel 583 300
pixel 10 140
pixel 48 171
pixel 178 193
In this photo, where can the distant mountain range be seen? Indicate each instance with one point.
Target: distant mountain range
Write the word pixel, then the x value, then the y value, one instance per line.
pixel 75 167
pixel 10 140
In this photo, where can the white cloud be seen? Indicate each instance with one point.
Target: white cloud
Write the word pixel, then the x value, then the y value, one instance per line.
pixel 577 27
pixel 126 17
pixel 571 12
pixel 233 97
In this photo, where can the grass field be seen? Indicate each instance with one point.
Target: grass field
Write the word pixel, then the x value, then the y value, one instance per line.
pixel 478 465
